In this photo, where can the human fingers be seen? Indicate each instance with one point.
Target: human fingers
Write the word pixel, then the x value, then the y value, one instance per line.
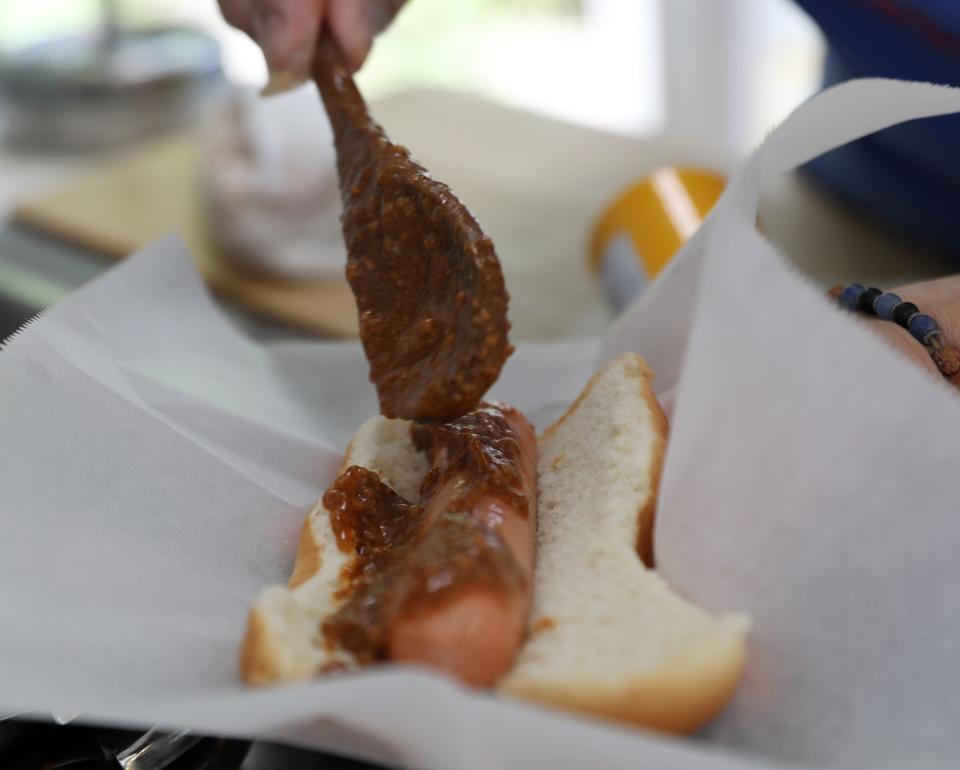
pixel 287 31
pixel 355 23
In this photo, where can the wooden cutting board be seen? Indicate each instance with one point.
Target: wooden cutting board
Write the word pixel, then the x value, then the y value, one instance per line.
pixel 128 200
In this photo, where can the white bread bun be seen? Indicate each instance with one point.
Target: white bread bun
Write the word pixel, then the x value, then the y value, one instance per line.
pixel 608 637
pixel 283 642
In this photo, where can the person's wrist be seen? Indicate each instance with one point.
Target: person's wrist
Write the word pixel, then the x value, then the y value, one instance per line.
pixel 920 320
pixel 900 339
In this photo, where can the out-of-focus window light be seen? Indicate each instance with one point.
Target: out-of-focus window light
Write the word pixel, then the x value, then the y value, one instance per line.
pixel 594 61
pixel 736 68
pixel 25 23
pixel 22 24
pixel 715 72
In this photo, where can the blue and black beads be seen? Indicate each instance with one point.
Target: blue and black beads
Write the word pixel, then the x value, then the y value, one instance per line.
pixel 890 307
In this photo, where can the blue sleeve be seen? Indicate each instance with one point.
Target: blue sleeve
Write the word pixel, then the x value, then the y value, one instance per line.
pixel 908 175
pixel 906 39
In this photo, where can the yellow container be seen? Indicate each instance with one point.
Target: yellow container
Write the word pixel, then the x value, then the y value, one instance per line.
pixel 646 225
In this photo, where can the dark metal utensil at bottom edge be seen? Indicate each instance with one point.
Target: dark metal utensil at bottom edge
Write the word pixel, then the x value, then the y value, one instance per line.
pixel 28 744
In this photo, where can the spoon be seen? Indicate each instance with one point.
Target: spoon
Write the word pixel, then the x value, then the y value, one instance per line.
pixel 427 282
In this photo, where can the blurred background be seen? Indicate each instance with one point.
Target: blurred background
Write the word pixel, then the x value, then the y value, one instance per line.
pixel 633 67
pixel 567 126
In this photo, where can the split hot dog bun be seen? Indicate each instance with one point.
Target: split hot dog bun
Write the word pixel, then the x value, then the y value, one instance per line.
pixel 607 636
pixel 283 641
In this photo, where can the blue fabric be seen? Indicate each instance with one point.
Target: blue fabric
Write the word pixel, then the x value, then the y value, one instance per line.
pixel 908 175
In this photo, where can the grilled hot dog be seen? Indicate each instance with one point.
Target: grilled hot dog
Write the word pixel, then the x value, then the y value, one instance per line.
pixel 444 580
pixel 485 465
pixel 423 551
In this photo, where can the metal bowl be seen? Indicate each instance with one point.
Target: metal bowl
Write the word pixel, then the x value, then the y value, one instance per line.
pixel 98 90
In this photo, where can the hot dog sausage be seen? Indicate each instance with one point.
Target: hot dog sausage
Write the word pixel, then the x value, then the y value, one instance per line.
pixel 486 494
pixel 446 582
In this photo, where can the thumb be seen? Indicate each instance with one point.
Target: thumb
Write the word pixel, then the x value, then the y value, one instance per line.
pixel 287 32
pixel 355 23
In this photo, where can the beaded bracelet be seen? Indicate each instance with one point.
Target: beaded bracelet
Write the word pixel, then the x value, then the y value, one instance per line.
pixel 890 307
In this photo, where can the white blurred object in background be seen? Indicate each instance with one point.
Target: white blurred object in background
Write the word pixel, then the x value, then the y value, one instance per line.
pixel 733 69
pixel 271 184
pixel 600 67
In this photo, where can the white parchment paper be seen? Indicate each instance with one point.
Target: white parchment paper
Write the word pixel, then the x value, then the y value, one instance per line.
pixel 155 466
